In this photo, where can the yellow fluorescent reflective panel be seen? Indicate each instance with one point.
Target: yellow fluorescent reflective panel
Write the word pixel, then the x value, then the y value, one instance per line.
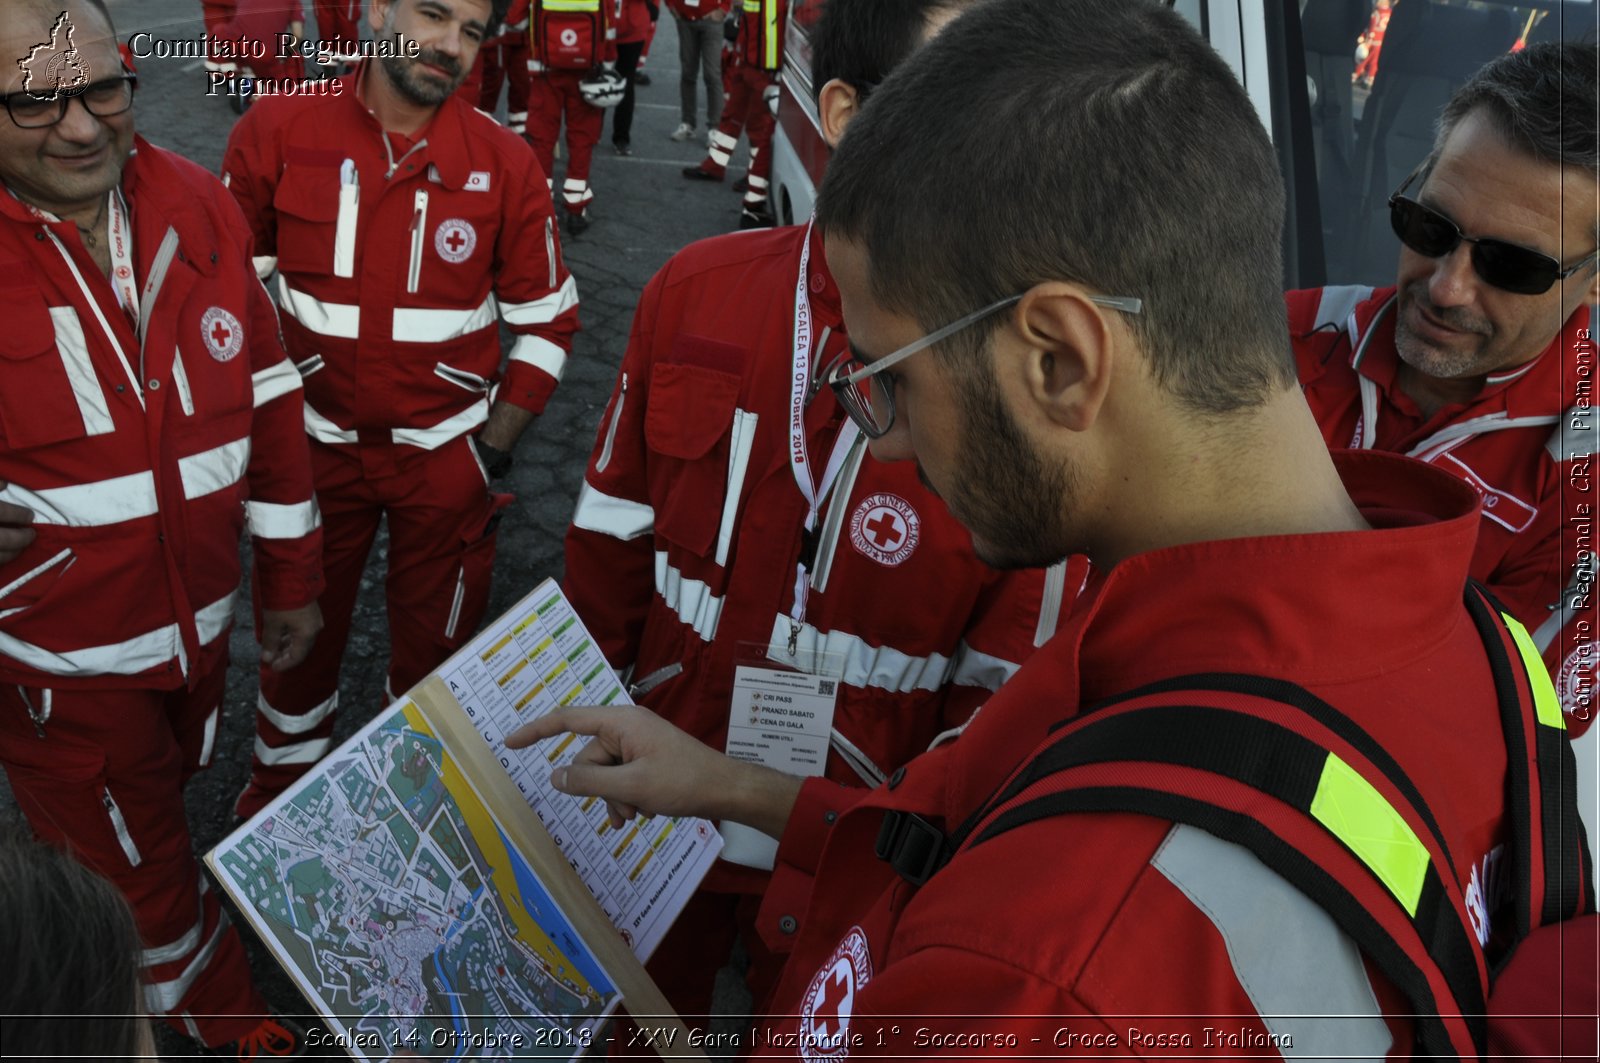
pixel 1546 706
pixel 1364 820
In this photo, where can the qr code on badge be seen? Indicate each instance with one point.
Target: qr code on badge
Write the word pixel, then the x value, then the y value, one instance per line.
pixel 825 687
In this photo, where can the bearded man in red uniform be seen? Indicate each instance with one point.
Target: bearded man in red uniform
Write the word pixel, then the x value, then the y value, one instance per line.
pixel 1107 375
pixel 405 227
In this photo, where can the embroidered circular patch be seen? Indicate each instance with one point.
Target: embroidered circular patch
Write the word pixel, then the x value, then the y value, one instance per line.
pixel 830 999
pixel 455 240
pixel 1575 680
pixel 885 528
pixel 222 334
pixel 569 37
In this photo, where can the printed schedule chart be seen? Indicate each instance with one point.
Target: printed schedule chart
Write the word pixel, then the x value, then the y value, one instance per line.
pixel 536 658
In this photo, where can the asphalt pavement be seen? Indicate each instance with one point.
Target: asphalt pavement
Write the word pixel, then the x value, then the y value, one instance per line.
pixel 644 211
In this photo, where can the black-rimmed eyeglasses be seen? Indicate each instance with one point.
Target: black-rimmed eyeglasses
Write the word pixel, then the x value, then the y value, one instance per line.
pixel 103 99
pixel 872 407
pixel 1508 266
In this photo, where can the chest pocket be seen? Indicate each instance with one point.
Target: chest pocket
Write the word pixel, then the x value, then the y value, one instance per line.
pixel 687 426
pixel 49 391
pixel 452 249
pixel 307 204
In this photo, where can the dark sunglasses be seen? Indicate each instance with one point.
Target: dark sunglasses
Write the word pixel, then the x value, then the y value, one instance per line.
pixel 1504 265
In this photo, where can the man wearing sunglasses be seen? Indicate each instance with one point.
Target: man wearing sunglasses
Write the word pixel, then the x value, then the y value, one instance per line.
pixel 147 414
pixel 1479 360
pixel 695 540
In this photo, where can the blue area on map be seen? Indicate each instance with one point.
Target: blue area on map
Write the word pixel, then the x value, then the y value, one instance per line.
pixel 537 903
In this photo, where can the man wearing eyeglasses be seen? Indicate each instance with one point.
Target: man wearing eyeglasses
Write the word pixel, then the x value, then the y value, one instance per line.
pixel 1118 385
pixel 730 518
pixel 1479 360
pixel 147 414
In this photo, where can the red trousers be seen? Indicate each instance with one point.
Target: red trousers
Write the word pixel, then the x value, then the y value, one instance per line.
pixel 506 60
pixel 553 94
pixel 102 776
pixel 442 517
pixel 338 23
pixel 747 110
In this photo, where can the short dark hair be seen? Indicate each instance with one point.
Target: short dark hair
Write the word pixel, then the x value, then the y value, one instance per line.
pixel 1101 143
pixel 72 955
pixel 860 41
pixel 1542 99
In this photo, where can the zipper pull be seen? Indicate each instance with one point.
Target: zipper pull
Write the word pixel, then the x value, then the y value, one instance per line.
pixel 794 638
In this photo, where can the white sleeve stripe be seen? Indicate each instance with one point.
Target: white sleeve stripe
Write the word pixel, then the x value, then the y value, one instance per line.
pixel 541 354
pixel 279 520
pixel 544 309
pixel 616 517
pixel 274 382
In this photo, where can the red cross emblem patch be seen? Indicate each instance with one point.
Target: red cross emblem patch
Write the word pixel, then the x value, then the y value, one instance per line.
pixel 222 335
pixel 830 1000
pixel 885 528
pixel 455 240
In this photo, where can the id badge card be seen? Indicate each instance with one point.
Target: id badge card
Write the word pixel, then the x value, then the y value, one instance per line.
pixel 781 717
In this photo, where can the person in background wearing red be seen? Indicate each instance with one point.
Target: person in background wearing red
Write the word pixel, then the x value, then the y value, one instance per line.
pixel 504 61
pixel 636 20
pixel 760 47
pixel 571 43
pixel 339 25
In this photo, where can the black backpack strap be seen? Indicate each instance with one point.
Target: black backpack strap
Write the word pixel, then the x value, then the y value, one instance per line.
pixel 1344 825
pixel 1551 860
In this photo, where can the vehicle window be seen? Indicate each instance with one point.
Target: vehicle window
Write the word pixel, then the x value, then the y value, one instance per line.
pixel 1378 72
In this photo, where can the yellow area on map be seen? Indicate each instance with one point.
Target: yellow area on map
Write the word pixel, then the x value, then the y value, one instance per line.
pixel 564 743
pixel 663 835
pixel 481 825
pixel 496 648
pixel 632 834
pixel 634 874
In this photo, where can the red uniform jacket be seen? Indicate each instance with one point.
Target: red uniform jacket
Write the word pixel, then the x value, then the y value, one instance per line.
pixel 1123 935
pixel 143 451
pixel 689 526
pixel 761 30
pixel 393 286
pixel 1526 445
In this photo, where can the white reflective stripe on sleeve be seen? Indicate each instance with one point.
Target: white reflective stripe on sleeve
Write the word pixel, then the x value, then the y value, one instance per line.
pixel 177 950
pixel 278 520
pixel 308 752
pixel 274 382
pixel 328 319
pixel 689 598
pixel 86 389
pixel 215 469
pixel 455 425
pixel 1305 977
pixel 297 725
pixel 323 430
pixel 162 997
pixel 414 325
pixel 616 517
pixel 89 505
pixel 974 668
pixel 541 354
pixel 723 140
pixel 211 621
pixel 265 264
pixel 545 309
pixel 864 665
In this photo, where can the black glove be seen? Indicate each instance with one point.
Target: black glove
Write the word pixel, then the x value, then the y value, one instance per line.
pixel 730 29
pixel 496 462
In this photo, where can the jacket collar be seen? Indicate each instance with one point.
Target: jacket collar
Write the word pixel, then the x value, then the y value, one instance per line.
pixel 445 132
pixel 1544 386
